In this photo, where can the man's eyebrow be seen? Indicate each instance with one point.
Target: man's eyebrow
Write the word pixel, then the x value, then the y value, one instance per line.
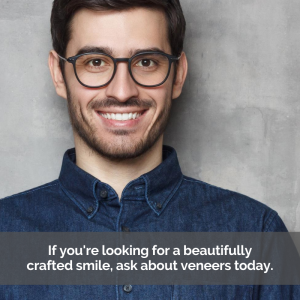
pixel 109 51
pixel 151 49
pixel 92 49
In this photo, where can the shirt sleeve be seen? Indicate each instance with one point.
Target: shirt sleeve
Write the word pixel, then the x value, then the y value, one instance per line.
pixel 270 292
pixel 274 223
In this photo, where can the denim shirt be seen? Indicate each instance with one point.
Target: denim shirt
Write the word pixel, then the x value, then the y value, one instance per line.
pixel 160 200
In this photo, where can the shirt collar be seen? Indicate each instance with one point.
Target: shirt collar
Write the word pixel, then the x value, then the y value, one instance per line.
pixel 156 187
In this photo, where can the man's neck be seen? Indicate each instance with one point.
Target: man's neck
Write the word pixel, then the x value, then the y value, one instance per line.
pixel 117 174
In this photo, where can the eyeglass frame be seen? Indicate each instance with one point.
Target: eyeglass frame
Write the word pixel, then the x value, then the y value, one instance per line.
pixel 73 59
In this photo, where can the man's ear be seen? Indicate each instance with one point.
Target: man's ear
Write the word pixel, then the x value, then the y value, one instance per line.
pixel 182 68
pixel 56 74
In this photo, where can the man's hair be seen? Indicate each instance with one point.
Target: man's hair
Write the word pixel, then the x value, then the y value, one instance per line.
pixel 63 12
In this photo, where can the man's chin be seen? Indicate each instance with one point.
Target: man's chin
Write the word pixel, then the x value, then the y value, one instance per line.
pixel 119 154
pixel 116 151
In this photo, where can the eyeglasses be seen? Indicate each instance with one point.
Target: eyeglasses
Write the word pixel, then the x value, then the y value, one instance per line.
pixel 148 69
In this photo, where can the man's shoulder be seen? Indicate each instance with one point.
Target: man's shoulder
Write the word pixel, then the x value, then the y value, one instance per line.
pixel 231 208
pixel 220 195
pixel 32 209
pixel 39 193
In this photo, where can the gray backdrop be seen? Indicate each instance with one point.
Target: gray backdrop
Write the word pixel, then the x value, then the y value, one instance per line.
pixel 235 126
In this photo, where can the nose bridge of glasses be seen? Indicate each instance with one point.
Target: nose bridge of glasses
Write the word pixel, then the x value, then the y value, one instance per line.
pixel 122 59
pixel 126 60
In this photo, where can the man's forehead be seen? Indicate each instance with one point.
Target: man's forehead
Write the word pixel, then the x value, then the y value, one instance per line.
pixel 119 32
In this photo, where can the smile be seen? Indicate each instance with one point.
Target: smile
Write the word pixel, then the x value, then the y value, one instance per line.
pixel 121 116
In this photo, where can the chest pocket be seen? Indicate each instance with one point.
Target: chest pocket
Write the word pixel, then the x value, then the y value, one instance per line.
pixel 212 292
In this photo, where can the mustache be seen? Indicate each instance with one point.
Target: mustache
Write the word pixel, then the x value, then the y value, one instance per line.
pixel 112 102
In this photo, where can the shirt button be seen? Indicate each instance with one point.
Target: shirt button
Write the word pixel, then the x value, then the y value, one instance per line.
pixel 103 194
pixel 127 288
pixel 125 229
pixel 158 206
pixel 90 209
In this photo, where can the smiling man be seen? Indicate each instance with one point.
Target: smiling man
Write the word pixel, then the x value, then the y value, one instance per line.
pixel 119 64
pixel 118 107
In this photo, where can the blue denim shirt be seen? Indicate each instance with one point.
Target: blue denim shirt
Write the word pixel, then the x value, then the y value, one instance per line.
pixel 161 200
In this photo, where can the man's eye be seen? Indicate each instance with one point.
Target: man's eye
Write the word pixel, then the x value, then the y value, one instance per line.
pixel 96 63
pixel 146 63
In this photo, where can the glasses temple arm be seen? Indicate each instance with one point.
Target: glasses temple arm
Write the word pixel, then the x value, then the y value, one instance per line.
pixel 62 57
pixel 177 58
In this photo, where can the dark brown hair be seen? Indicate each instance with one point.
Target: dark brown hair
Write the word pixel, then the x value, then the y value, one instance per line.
pixel 64 10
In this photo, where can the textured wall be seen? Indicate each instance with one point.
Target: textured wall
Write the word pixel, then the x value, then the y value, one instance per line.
pixel 235 126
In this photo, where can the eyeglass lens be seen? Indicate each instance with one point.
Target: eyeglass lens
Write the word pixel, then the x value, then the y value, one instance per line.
pixel 97 69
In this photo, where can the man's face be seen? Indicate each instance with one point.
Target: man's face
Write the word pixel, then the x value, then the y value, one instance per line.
pixel 122 34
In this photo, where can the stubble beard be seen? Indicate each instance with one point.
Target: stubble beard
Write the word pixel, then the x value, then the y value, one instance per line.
pixel 126 148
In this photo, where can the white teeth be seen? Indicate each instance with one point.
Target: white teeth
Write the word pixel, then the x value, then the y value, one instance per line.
pixel 121 117
pixel 125 117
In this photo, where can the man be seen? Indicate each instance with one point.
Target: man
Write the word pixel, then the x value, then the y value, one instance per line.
pixel 119 64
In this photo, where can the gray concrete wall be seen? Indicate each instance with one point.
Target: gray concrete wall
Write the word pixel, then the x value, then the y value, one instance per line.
pixel 235 126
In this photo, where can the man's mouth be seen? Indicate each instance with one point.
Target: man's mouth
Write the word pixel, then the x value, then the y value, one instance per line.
pixel 121 116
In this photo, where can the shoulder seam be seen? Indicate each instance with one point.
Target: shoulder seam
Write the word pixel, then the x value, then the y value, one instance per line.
pixel 271 217
pixel 204 183
pixel 192 179
pixel 30 191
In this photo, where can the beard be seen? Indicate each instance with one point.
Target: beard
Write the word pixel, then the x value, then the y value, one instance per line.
pixel 124 148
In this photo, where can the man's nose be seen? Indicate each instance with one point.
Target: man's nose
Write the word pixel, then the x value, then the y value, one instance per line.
pixel 122 87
